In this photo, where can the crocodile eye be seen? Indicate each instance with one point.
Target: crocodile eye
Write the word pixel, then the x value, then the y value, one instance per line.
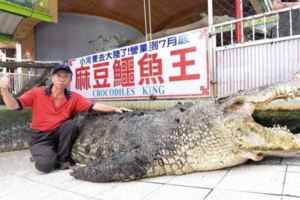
pixel 182 109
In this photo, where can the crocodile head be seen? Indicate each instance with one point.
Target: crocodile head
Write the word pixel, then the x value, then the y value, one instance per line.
pixel 256 140
pixel 265 138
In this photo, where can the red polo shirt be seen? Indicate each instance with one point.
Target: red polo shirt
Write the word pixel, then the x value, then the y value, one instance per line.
pixel 45 116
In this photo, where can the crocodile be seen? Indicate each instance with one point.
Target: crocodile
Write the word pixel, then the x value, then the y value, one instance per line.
pixel 14 139
pixel 186 138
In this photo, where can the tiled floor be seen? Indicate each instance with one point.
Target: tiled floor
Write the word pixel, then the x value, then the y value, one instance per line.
pixel 272 179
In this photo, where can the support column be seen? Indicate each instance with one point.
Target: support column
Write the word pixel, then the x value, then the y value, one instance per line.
pixel 19 56
pixel 18 79
pixel 3 59
pixel 238 15
pixel 211 49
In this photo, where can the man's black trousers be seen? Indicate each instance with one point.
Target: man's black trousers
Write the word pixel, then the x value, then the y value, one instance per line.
pixel 50 149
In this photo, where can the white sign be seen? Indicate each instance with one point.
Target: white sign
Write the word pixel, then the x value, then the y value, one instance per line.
pixel 172 67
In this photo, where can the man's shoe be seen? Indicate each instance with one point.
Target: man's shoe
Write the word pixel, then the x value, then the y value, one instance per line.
pixel 31 159
pixel 65 165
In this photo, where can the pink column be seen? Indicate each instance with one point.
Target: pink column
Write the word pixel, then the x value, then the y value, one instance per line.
pixel 238 15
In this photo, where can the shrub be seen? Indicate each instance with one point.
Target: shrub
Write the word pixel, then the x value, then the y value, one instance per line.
pixel 9 118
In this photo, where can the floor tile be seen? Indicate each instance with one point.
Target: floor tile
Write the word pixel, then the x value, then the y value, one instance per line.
pixel 65 195
pixel 10 184
pixel 5 175
pixel 292 184
pixel 290 198
pixel 200 179
pixel 292 160
pixel 159 179
pixel 30 190
pixel 232 195
pixel 59 178
pixel 14 156
pixel 16 162
pixel 174 192
pixel 91 189
pixel 263 180
pixel 293 168
pixel 252 178
pixel 129 191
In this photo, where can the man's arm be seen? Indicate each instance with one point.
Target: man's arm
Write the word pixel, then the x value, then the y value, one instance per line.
pixel 8 99
pixel 277 4
pixel 106 108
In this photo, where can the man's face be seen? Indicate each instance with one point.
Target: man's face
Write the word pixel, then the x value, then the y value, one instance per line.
pixel 61 79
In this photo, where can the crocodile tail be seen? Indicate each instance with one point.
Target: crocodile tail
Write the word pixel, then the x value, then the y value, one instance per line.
pixel 13 139
pixel 124 167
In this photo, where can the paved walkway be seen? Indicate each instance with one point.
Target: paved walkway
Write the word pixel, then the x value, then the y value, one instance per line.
pixel 272 179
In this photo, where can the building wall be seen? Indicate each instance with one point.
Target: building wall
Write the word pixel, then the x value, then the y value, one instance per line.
pixel 77 35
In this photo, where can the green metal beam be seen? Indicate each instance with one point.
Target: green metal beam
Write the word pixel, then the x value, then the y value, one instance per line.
pixel 5 38
pixel 24 11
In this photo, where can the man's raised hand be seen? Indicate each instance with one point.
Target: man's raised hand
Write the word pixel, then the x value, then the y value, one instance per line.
pixel 4 81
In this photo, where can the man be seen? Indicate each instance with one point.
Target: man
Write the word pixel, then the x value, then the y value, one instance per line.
pixel 52 132
pixel 284 18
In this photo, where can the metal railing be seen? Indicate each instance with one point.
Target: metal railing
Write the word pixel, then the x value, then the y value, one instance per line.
pixel 18 81
pixel 269 25
pixel 251 66
pixel 246 7
pixel 269 51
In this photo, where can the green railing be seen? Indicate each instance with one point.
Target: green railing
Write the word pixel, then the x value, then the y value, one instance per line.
pixel 41 5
